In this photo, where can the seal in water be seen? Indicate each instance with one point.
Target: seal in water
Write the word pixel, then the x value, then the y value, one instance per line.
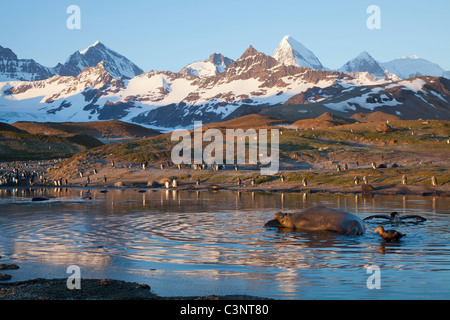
pixel 320 218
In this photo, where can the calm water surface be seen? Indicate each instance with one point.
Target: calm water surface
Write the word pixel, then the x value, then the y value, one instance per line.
pixel 198 242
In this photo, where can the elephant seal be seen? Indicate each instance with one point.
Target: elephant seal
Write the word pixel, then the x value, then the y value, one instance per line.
pixel 320 218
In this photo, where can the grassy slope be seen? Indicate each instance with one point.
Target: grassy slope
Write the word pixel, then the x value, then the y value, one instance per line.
pixel 321 149
pixel 105 129
pixel 15 146
pixel 353 141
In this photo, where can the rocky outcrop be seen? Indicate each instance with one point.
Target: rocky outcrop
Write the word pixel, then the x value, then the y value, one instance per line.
pixel 215 64
pixel 12 68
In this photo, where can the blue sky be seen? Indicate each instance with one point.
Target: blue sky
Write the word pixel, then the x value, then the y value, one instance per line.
pixel 168 35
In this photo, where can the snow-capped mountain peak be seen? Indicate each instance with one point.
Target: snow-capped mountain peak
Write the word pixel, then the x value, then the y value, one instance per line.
pixel 117 65
pixel 250 52
pixel 12 68
pixel 216 63
pixel 7 53
pixel 364 62
pixel 410 57
pixel 407 67
pixel 364 55
pixel 220 61
pixel 222 88
pixel 292 52
pixel 91 46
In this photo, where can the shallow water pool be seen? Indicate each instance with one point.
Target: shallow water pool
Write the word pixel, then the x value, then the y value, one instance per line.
pixel 185 243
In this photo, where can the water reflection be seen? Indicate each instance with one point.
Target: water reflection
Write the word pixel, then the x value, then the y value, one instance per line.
pixel 218 236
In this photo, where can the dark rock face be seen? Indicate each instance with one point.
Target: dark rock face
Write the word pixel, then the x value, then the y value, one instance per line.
pixel 13 68
pixel 7 53
pixel 219 60
pixel 300 98
pixel 216 62
pixel 174 115
pixel 114 111
pixel 4 277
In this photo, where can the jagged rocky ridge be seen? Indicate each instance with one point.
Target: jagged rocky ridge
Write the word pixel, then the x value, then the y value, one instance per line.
pixel 253 83
pixel 116 64
pixel 12 68
pixel 215 64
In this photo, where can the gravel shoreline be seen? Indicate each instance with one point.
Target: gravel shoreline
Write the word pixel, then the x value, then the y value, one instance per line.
pixel 93 289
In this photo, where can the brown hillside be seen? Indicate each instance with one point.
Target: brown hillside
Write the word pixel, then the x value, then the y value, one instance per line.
pixel 374 117
pixel 251 121
pixel 312 123
pixel 326 120
pixel 98 129
pixel 297 99
pixel 10 128
pixel 334 119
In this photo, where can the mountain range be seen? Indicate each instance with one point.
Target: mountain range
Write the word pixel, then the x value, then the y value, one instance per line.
pixel 100 84
pixel 14 69
pixel 116 64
